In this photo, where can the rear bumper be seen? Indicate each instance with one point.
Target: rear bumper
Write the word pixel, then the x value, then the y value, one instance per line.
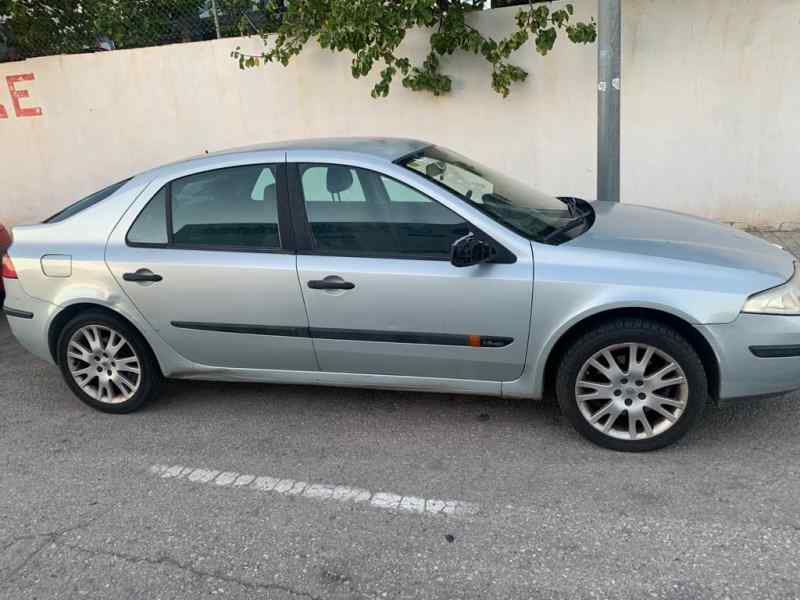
pixel 29 319
pixel 759 355
pixel 19 314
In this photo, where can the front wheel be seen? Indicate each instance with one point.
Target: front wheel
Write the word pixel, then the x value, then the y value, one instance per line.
pixel 107 363
pixel 632 385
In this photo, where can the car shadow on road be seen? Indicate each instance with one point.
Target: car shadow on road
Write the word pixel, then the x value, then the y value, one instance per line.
pixel 757 421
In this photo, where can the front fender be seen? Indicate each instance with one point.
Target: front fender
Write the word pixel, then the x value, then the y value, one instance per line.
pixel 574 284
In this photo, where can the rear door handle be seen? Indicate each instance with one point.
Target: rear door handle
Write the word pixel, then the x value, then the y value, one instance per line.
pixel 142 275
pixel 330 283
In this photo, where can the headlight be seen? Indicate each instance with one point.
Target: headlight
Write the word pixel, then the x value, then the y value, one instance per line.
pixel 781 300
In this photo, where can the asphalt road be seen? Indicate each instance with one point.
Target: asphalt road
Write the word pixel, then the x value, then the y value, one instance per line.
pixel 83 515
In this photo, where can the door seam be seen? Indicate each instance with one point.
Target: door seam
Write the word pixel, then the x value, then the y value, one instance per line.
pixel 305 308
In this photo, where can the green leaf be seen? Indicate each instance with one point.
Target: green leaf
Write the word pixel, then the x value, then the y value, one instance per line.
pixel 371 31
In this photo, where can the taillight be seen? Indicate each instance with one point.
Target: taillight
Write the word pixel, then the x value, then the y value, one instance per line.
pixel 9 272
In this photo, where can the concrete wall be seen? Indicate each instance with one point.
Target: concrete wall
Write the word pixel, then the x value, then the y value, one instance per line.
pixel 710 103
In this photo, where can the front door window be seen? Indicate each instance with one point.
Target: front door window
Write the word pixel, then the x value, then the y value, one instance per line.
pixel 356 212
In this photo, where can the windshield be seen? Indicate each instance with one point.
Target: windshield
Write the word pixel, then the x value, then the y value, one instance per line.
pixel 527 211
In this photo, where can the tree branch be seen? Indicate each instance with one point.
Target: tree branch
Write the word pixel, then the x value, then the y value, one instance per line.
pixel 373 30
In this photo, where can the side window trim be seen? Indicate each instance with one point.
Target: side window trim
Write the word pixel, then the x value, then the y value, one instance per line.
pixel 285 219
pixel 302 225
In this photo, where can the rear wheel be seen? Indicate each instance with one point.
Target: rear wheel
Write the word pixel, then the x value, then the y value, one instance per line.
pixel 632 385
pixel 106 363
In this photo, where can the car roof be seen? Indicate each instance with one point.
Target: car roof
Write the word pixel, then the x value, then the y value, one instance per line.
pixel 379 147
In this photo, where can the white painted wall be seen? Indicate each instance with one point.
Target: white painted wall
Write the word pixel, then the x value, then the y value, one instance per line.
pixel 710 112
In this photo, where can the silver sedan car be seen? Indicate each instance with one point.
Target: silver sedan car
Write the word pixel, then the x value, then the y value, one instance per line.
pixel 399 264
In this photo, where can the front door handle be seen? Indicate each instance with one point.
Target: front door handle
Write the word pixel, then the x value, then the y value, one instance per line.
pixel 331 283
pixel 142 275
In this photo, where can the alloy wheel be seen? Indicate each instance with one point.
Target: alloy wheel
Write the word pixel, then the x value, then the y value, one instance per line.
pixel 104 364
pixel 631 391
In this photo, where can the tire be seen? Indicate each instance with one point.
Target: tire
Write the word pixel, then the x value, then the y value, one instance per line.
pixel 632 391
pixel 107 369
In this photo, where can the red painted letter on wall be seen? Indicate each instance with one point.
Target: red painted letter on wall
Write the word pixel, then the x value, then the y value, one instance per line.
pixel 16 94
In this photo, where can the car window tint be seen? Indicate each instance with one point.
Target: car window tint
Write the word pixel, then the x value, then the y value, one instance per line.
pixel 399 192
pixel 393 220
pixel 332 183
pixel 227 208
pixel 150 226
pixel 264 184
pixel 84 203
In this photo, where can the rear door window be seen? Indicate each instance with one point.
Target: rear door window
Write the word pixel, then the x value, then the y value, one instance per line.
pixel 150 226
pixel 235 207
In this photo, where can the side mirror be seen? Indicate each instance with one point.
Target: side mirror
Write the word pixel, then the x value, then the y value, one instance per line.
pixel 469 250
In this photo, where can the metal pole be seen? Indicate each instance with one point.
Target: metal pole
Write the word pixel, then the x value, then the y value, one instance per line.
pixel 609 59
pixel 216 18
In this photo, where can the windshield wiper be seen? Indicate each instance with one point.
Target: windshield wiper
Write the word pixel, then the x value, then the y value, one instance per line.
pixel 496 199
pixel 572 204
pixel 583 217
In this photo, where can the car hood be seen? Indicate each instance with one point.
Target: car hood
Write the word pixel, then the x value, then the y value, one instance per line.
pixel 665 234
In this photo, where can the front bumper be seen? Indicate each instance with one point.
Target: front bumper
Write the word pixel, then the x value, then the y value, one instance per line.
pixel 756 355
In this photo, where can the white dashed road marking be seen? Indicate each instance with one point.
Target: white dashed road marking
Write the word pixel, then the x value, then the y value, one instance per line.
pixel 317 491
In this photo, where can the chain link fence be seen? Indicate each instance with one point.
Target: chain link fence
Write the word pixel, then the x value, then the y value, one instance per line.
pixel 30 28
